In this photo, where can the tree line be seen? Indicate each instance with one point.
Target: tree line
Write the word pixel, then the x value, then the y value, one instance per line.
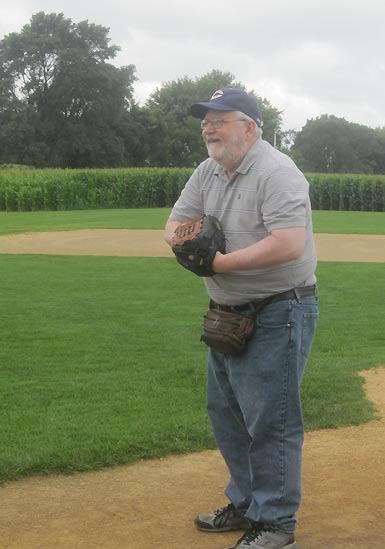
pixel 64 104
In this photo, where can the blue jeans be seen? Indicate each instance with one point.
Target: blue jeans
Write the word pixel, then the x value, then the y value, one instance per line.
pixel 254 406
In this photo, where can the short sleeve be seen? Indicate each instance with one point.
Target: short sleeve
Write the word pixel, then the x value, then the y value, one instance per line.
pixel 286 200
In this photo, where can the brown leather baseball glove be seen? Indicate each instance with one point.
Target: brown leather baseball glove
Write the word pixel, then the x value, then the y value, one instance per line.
pixel 196 242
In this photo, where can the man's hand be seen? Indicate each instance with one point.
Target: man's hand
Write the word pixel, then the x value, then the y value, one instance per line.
pixel 196 242
pixel 169 230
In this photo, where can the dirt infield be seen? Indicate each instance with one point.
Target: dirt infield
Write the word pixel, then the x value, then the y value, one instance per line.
pixel 124 242
pixel 152 503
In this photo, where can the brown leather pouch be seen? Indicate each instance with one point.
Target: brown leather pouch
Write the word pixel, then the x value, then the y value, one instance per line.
pixel 226 331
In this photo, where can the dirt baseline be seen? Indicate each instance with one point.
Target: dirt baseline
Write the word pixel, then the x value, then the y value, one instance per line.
pixel 124 242
pixel 153 503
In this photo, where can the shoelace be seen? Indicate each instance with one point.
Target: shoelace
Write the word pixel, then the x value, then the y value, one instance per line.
pixel 253 534
pixel 221 515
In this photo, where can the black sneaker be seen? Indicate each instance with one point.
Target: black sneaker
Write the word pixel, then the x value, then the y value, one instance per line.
pixel 223 520
pixel 262 535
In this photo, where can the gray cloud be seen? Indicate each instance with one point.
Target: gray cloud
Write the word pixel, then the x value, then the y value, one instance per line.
pixel 306 57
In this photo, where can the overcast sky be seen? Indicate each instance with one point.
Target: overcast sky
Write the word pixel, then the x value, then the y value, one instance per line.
pixel 307 57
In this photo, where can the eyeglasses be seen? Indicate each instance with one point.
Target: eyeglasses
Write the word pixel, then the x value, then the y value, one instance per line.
pixel 219 123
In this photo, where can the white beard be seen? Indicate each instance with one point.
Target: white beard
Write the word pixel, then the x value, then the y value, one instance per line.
pixel 228 155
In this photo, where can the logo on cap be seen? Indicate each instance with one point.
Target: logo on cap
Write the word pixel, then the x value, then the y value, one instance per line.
pixel 217 95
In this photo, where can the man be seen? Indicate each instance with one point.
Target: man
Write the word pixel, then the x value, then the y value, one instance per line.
pixel 253 399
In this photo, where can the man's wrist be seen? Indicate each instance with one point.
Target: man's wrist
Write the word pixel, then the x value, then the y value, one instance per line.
pixel 219 263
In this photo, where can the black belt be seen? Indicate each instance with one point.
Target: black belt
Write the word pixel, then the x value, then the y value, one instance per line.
pixel 256 306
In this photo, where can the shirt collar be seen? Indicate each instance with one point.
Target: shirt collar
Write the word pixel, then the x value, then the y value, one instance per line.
pixel 251 157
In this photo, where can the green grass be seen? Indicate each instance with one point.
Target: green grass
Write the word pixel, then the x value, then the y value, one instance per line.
pixel 26 222
pixel 101 364
pixel 155 218
pixel 349 222
pixel 99 358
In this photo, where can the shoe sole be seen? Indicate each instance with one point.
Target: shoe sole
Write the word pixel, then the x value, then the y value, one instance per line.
pixel 291 546
pixel 219 530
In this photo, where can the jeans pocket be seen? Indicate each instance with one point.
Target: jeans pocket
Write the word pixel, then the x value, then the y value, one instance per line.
pixel 276 316
pixel 273 329
pixel 308 330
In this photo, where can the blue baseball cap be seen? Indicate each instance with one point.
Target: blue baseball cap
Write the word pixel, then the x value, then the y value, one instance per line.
pixel 229 99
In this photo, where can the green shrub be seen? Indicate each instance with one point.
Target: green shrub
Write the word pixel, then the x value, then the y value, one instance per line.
pixel 347 192
pixel 30 190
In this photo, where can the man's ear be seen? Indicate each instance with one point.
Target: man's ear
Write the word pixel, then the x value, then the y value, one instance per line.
pixel 251 128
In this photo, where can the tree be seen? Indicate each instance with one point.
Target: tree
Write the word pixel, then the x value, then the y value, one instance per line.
pixel 330 144
pixel 174 137
pixel 57 82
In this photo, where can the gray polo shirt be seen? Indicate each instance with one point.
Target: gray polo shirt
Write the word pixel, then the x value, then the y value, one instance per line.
pixel 267 192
